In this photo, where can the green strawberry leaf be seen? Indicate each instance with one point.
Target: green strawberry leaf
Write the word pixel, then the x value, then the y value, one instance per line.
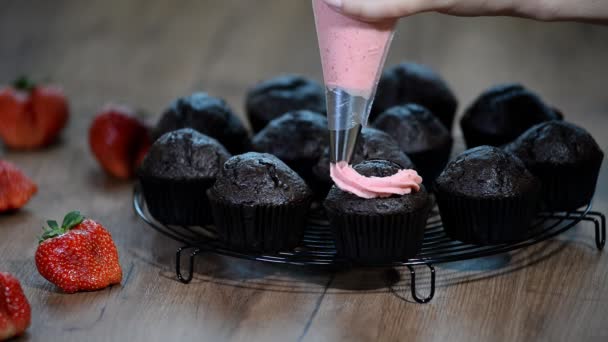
pixel 72 219
pixel 68 218
pixel 49 234
pixel 23 83
pixel 53 230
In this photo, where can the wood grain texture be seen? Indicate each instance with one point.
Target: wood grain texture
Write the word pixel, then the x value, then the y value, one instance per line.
pixel 145 53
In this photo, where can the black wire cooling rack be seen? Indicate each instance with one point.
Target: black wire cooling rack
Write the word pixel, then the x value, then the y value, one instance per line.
pixel 318 249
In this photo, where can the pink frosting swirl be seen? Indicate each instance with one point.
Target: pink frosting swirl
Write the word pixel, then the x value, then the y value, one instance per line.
pixel 401 183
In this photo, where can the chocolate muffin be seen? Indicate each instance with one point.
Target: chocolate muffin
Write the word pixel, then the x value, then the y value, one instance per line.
pixel 208 115
pixel 259 203
pixel 500 114
pixel 272 98
pixel 415 83
pixel 419 134
pixel 175 174
pixel 487 196
pixel 378 229
pixel 567 160
pixel 297 138
pixel 371 144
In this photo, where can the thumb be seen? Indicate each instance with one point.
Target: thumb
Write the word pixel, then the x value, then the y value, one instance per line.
pixel 373 10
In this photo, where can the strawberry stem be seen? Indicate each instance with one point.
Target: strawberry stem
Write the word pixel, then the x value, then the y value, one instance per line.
pixel 71 220
pixel 23 83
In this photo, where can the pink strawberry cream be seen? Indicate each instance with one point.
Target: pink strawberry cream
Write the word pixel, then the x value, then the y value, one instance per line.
pixel 352 51
pixel 401 183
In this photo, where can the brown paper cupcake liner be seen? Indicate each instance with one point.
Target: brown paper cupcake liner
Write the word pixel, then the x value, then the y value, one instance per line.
pixel 181 202
pixel 262 228
pixel 567 187
pixel 488 221
pixel 369 239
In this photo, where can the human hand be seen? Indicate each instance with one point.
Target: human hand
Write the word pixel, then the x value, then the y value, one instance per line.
pixel 548 10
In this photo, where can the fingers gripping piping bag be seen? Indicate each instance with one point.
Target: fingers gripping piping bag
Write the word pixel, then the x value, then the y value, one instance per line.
pixel 353 53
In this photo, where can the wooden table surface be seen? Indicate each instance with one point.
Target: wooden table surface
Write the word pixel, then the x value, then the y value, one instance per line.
pixel 146 53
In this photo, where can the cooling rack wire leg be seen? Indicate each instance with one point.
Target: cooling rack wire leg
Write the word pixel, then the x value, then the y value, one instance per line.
pixel 413 285
pixel 599 221
pixel 178 263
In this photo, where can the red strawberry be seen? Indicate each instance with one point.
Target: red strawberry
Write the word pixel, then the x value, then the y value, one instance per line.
pixel 15 188
pixel 119 140
pixel 15 311
pixel 31 116
pixel 78 256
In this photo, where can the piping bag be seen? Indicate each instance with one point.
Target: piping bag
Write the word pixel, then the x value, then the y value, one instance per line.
pixel 353 53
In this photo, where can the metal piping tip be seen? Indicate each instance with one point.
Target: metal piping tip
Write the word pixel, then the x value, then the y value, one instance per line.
pixel 347 112
pixel 342 144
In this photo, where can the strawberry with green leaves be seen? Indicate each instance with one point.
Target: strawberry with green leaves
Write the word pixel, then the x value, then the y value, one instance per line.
pixel 79 255
pixel 15 311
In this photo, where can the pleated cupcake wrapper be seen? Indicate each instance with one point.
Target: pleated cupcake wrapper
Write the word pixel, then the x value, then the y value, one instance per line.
pixel 370 239
pixel 260 228
pixel 568 188
pixel 488 221
pixel 178 202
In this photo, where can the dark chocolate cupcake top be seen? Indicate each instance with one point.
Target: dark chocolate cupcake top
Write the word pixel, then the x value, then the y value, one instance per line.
pixel 275 97
pixel 299 135
pixel 347 203
pixel 184 154
pixel 502 113
pixel 415 83
pixel 486 172
pixel 372 144
pixel 414 128
pixel 555 142
pixel 208 115
pixel 259 179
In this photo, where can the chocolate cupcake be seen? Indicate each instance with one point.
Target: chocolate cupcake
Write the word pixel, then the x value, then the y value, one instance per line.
pixel 500 114
pixel 415 83
pixel 419 134
pixel 378 230
pixel 259 203
pixel 487 196
pixel 272 98
pixel 372 144
pixel 208 115
pixel 567 160
pixel 297 138
pixel 175 174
